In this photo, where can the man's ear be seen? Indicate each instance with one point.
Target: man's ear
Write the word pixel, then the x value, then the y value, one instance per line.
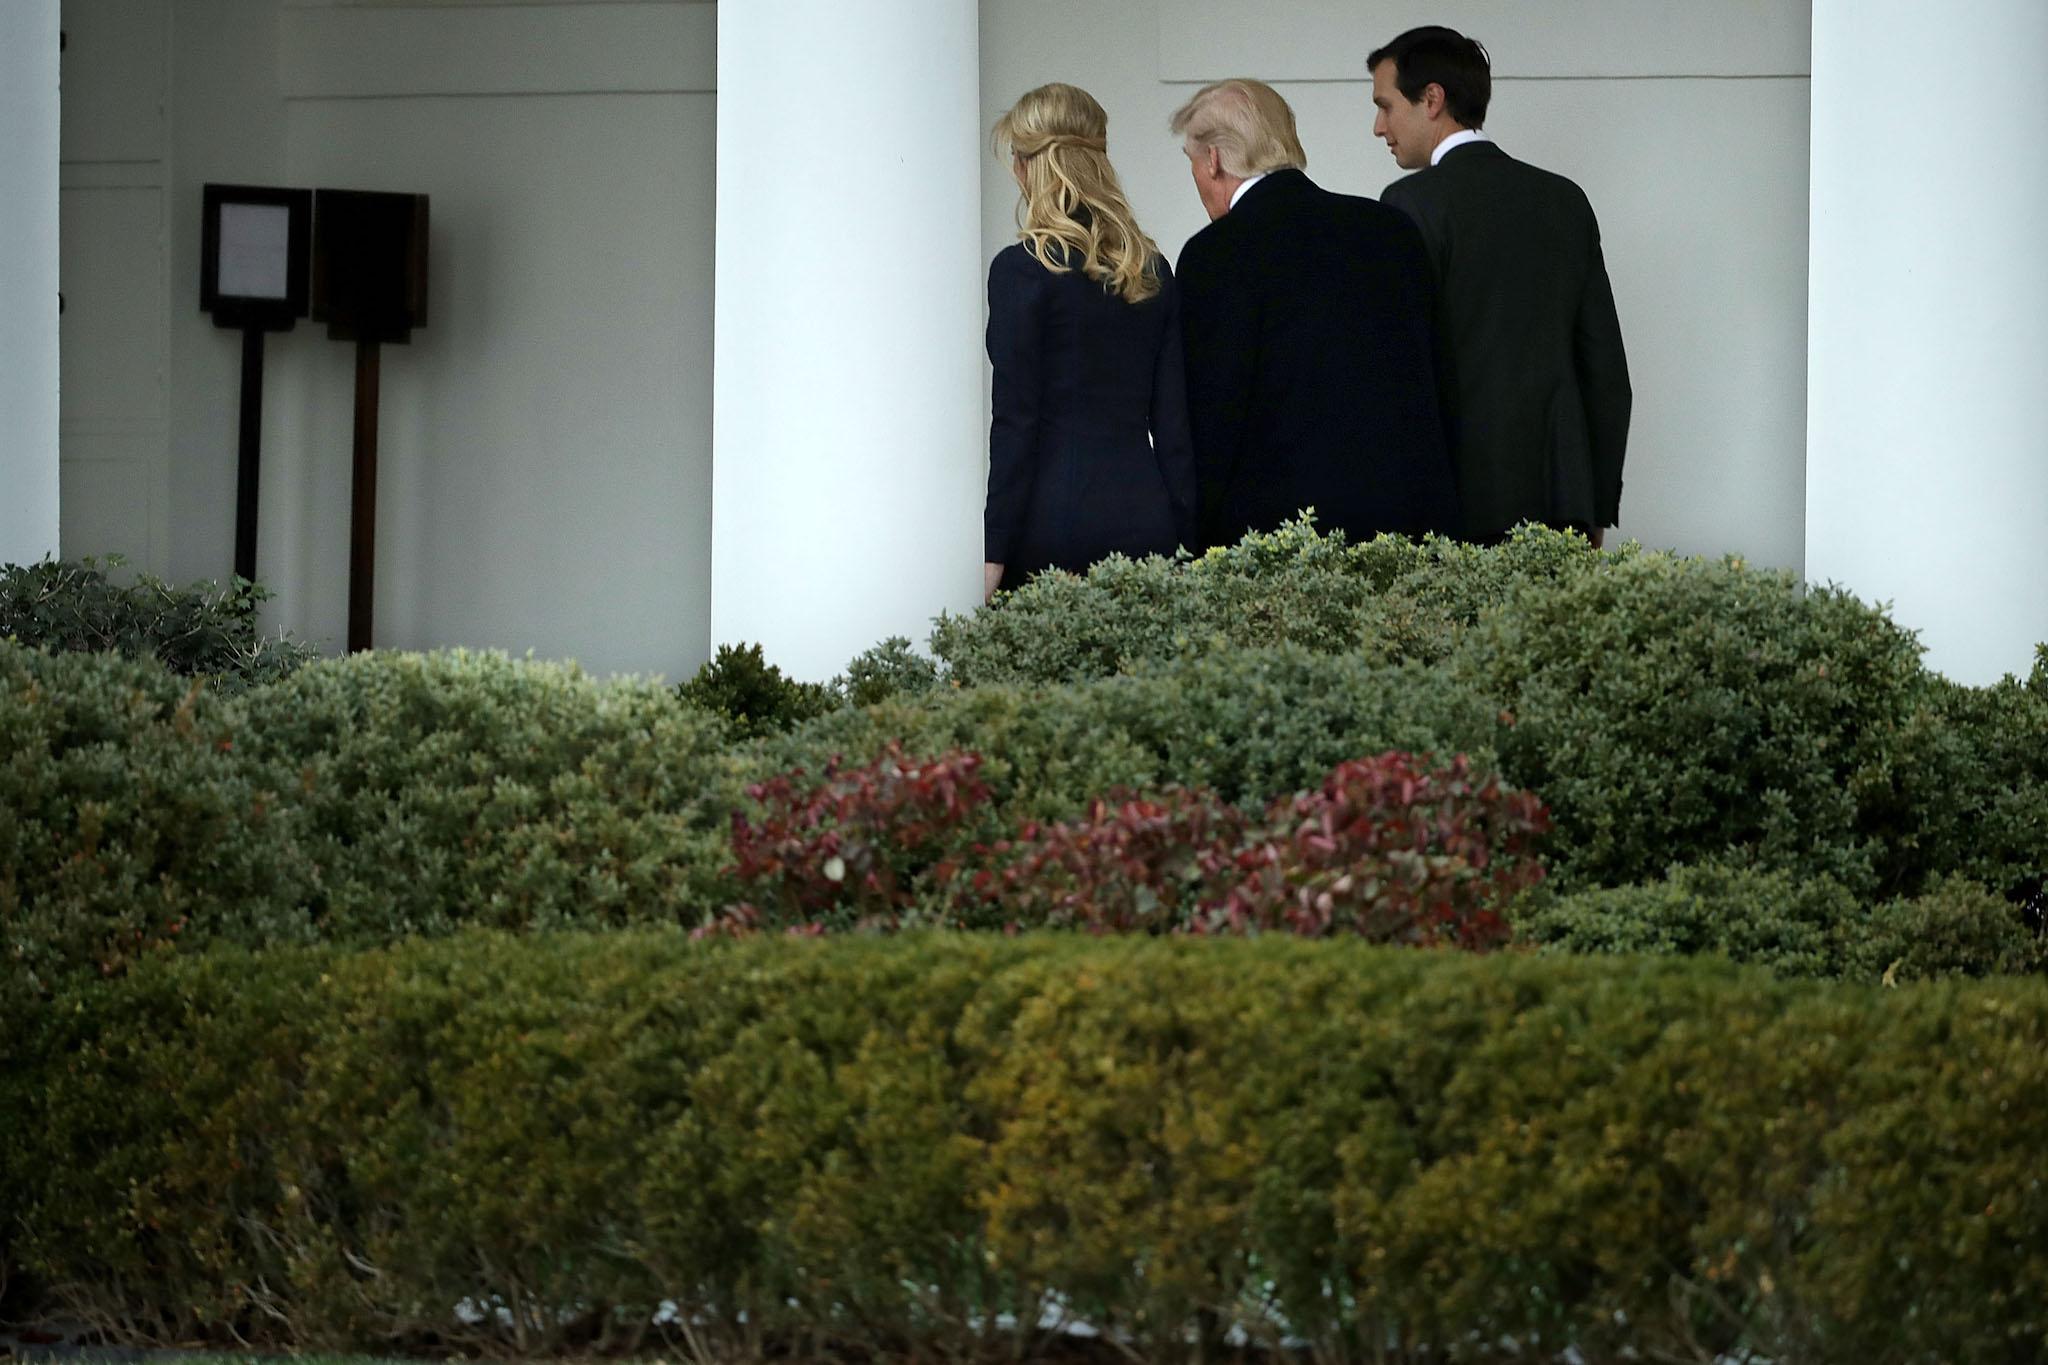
pixel 1212 162
pixel 1432 100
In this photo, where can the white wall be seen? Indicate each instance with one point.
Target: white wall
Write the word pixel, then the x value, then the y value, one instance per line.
pixel 544 471
pixel 1928 445
pixel 28 281
pixel 1688 132
pixel 227 123
pixel 544 454
pixel 115 275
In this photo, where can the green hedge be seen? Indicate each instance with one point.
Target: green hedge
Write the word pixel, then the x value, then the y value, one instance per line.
pixel 128 821
pixel 382 795
pixel 201 631
pixel 874 1145
pixel 459 787
pixel 1388 600
pixel 1678 709
pixel 1250 724
pixel 1666 709
pixel 1969 782
pixel 359 801
pixel 1801 927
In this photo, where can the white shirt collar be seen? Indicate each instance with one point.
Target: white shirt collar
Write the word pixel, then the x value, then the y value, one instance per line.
pixel 1244 185
pixel 1455 141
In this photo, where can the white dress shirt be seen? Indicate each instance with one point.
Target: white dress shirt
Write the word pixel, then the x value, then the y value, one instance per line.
pixel 1455 141
pixel 1244 185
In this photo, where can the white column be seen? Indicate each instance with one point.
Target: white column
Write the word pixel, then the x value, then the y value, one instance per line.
pixel 28 280
pixel 1927 373
pixel 847 429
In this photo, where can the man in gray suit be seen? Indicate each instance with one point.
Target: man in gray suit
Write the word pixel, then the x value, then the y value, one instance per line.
pixel 1532 368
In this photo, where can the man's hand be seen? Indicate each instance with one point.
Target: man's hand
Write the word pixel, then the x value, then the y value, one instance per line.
pixel 991 574
pixel 1598 537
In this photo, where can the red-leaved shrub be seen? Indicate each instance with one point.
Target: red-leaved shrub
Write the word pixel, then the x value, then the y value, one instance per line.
pixel 1133 864
pixel 851 850
pixel 1387 849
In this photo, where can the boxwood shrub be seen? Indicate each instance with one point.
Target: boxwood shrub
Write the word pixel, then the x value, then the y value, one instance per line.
pixel 1249 724
pixel 1673 709
pixel 1388 600
pixel 359 801
pixel 1812 927
pixel 884 1145
pixel 1969 787
pixel 757 698
pixel 460 787
pixel 1666 709
pixel 129 822
pixel 203 630
pixel 753 695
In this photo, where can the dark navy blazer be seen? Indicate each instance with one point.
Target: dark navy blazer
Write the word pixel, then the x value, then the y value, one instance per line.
pixel 1088 452
pixel 1311 366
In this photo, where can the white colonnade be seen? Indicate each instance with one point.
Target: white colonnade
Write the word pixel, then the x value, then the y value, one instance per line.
pixel 847 401
pixel 1927 344
pixel 28 280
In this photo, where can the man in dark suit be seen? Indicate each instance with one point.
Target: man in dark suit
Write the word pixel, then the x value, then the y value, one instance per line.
pixel 1306 320
pixel 1534 374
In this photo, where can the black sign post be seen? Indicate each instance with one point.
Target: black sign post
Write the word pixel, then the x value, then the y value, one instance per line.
pixel 252 276
pixel 369 287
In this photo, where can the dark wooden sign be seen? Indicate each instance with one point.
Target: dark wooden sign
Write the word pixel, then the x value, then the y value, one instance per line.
pixel 369 285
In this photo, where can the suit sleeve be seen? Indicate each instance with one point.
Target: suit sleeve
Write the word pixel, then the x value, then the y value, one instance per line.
pixel 1172 445
pixel 1602 365
pixel 1015 348
pixel 1400 195
pixel 1395 196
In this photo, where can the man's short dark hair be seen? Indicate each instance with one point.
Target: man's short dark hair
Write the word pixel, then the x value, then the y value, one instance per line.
pixel 1434 55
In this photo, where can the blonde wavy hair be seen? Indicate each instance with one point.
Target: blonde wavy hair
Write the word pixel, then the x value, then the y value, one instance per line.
pixel 1072 209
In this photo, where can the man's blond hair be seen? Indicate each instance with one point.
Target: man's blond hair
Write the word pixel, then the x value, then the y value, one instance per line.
pixel 1247 122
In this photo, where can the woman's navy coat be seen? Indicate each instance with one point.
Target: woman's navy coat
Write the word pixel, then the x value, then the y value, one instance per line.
pixel 1088 451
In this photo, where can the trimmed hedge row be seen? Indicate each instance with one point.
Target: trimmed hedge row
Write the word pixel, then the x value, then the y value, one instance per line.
pixel 359 801
pixel 884 1144
pixel 1809 928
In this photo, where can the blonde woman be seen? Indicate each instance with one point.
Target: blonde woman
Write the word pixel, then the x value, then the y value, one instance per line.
pixel 1088 449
